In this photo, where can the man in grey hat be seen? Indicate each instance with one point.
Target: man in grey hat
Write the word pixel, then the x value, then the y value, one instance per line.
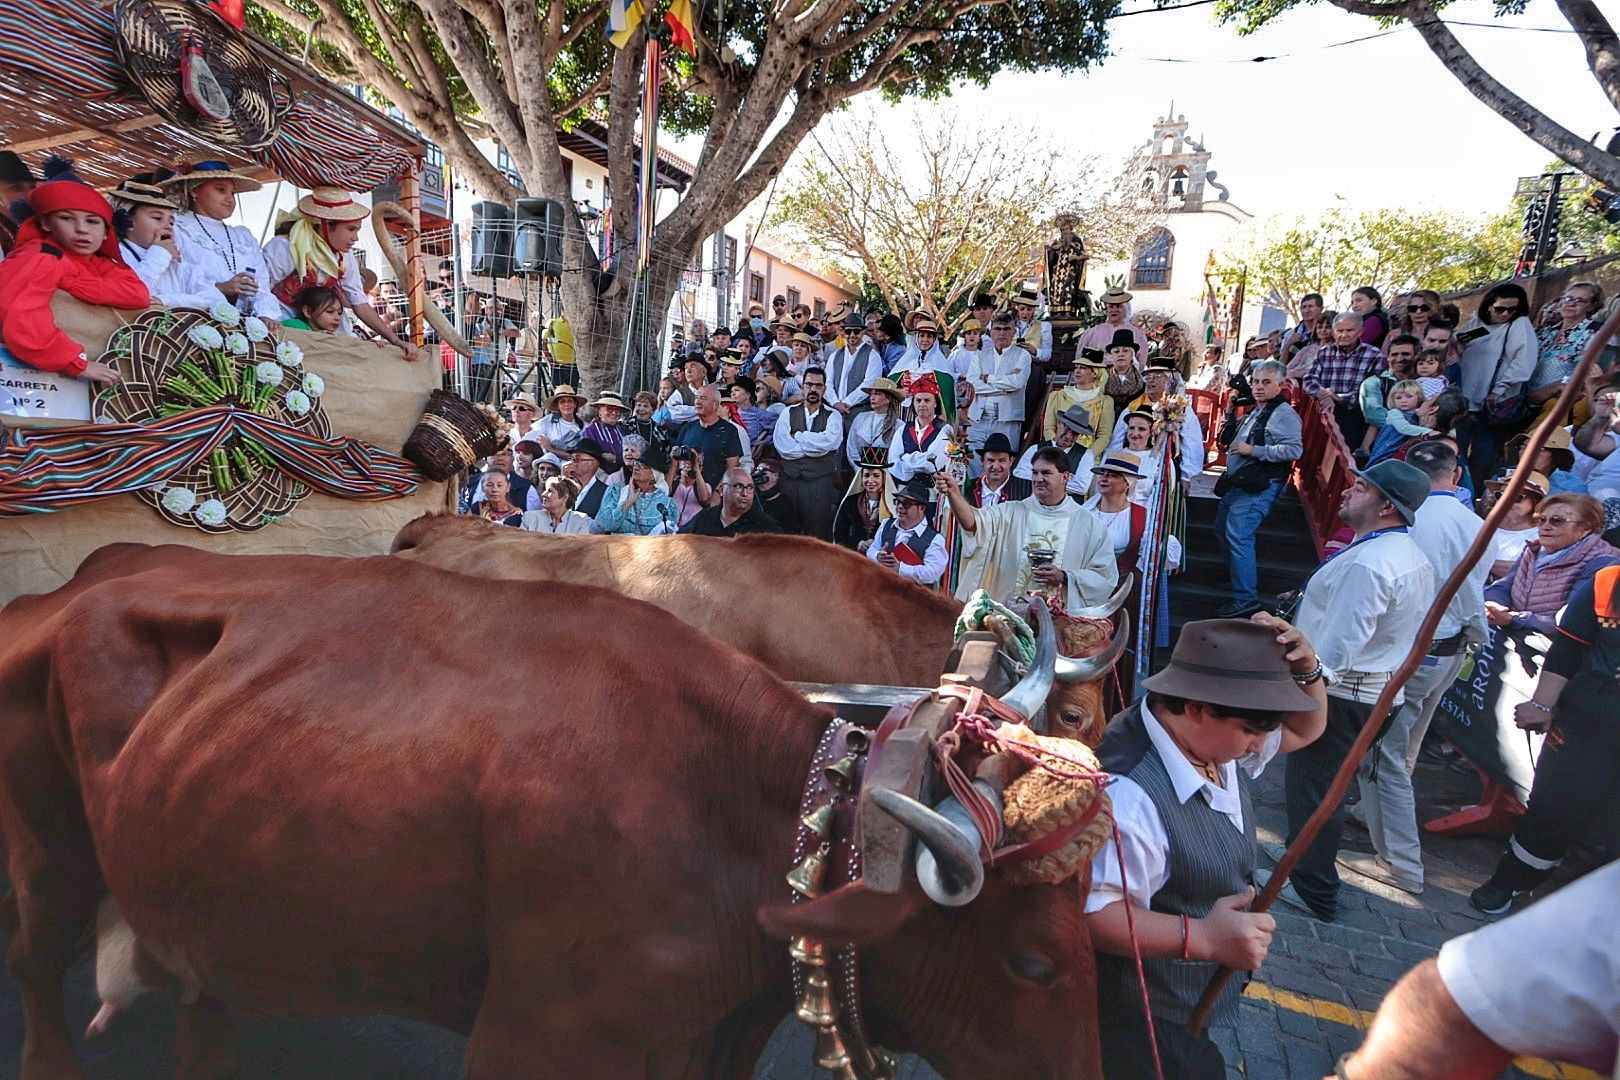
pixel 1362 609
pixel 1234 695
pixel 850 367
pixel 1073 423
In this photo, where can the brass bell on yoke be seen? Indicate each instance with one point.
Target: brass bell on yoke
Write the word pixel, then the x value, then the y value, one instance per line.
pixel 816 1004
pixel 842 773
pixel 810 953
pixel 819 821
pixel 830 1052
pixel 806 878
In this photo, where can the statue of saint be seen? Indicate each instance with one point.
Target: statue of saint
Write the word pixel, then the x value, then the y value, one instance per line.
pixel 1066 296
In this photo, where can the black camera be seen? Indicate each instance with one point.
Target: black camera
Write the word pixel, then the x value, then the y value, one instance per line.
pixel 761 475
pixel 682 453
pixel 1242 392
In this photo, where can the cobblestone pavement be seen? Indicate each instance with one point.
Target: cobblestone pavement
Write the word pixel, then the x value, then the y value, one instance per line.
pixel 1312 999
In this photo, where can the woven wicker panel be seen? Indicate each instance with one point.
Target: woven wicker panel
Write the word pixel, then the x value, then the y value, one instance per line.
pixel 156 356
pixel 149 40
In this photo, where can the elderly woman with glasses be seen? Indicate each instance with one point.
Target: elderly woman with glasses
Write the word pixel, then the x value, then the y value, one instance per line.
pixel 1561 343
pixel 1567 552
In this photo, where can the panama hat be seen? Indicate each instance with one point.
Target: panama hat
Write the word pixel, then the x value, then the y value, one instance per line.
pixel 201 172
pixel 135 193
pixel 564 391
pixel 1231 662
pixel 521 398
pixel 1117 296
pixel 925 325
pixel 1122 462
pixel 1092 358
pixel 802 337
pixel 881 385
pixel 332 204
pixel 610 399
pixel 1027 297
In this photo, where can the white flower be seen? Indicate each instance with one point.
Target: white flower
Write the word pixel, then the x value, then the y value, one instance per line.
pixel 255 328
pixel 268 372
pixel 206 336
pixel 289 354
pixel 212 512
pixel 237 344
pixel 314 385
pixel 297 402
pixel 179 500
pixel 225 313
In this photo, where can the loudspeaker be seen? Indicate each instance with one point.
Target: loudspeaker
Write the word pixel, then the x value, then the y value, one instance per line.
pixel 492 240
pixel 537 243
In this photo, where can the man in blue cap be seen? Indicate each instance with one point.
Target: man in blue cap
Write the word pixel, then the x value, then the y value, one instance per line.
pixel 1361 609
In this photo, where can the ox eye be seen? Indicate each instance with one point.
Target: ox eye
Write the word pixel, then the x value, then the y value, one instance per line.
pixel 1070 718
pixel 1034 968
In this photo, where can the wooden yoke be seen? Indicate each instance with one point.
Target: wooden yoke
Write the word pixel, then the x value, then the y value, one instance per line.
pixel 900 761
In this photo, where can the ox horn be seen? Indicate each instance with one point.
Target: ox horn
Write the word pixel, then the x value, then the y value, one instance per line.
pixel 1028 698
pixel 1109 606
pixel 1071 669
pixel 948 866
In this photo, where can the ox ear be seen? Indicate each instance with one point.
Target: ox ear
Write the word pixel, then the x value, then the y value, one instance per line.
pixel 851 915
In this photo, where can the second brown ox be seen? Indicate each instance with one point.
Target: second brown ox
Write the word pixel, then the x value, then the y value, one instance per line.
pixel 810 611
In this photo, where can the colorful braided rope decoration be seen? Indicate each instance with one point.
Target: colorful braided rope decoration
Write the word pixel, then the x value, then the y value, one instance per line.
pixel 214 425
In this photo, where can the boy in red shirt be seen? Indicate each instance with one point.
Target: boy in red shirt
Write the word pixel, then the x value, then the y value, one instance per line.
pixel 65 240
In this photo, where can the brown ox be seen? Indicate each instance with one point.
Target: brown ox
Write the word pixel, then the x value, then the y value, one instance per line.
pixel 809 611
pixel 287 772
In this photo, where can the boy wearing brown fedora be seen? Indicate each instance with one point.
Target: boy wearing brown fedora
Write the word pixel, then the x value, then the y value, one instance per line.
pixel 1235 694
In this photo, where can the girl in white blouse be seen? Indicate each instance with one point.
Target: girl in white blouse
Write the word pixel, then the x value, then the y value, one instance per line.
pixel 227 256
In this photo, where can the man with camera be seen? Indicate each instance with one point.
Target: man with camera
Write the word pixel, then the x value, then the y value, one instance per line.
pixel 737 513
pixel 1260 450
pixel 711 433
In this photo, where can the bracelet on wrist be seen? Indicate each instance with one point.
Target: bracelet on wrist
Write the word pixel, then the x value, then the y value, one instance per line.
pixel 1314 675
pixel 1540 707
pixel 1186 938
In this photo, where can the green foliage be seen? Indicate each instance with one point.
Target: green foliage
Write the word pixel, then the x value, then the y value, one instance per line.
pixel 1578 225
pixel 1392 250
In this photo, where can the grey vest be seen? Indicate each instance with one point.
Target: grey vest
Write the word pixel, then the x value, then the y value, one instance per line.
pixel 809 468
pixel 1208 860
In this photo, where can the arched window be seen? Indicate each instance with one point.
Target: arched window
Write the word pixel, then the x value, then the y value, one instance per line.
pixel 1150 268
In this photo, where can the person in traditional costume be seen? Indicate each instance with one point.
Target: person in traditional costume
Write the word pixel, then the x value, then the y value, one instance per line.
pixel 921 446
pixel 998 377
pixel 808 437
pixel 1072 425
pixel 64 241
pixel 605 429
pixel 782 343
pixel 868 503
pixel 879 424
pixel 318 250
pixel 1140 440
pixel 995 483
pixel 1085 390
pixel 850 367
pixel 967 347
pixel 227 256
pixel 926 359
pixel 1158 380
pixel 906 543
pixel 1117 305
pixel 1124 383
pixel 17 180
pixel 1126 521
pixel 1035 336
pixel 1046 543
pixel 143 218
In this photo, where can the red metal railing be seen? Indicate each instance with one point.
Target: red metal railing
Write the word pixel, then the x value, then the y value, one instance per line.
pixel 1324 470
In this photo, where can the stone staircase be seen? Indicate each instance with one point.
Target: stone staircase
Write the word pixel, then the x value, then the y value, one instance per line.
pixel 1284 551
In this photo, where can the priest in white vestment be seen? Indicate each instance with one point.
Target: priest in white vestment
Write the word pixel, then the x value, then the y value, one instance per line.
pixel 997 540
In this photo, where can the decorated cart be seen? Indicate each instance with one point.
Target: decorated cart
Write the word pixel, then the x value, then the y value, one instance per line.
pixel 220 435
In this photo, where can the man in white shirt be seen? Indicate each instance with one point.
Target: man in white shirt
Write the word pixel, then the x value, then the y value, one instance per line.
pixel 998 375
pixel 850 367
pixel 906 543
pixel 1361 609
pixel 809 436
pixel 1233 696
pixel 1444 529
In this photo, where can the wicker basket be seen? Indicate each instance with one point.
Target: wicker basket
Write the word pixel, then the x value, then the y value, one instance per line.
pixel 452 434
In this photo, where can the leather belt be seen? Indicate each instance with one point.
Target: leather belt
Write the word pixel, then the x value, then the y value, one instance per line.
pixel 1449 646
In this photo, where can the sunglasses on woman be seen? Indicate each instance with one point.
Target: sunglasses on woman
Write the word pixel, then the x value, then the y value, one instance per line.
pixel 1415 308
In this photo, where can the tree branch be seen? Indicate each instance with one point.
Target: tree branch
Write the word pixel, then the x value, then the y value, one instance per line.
pixel 1602 46
pixel 1504 102
pixel 579 101
pixel 485 85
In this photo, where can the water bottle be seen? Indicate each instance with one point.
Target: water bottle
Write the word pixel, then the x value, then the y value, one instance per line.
pixel 244 303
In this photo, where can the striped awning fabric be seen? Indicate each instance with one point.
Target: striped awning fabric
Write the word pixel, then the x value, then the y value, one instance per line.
pixel 66 47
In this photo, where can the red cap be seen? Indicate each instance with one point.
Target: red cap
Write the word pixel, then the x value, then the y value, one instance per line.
pixel 57 195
